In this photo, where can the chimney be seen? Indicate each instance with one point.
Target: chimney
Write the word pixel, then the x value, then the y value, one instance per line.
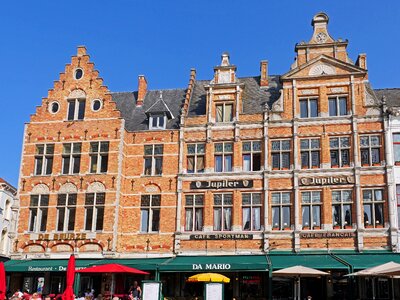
pixel 142 90
pixel 362 61
pixel 81 51
pixel 264 73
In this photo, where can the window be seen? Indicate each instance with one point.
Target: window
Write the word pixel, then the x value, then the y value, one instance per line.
pixel 66 208
pixel 308 108
pixel 99 157
pixel 310 149
pixel 76 109
pixel 150 213
pixel 223 157
pixel 38 213
pixel 398 203
pixel 370 150
pixel 71 158
pixel 96 104
pixel 195 158
pixel 44 159
pixel 194 212
pixel 251 156
pixel 337 106
pixel 340 151
pixel 373 208
pixel 78 74
pixel 157 122
pixel 280 210
pixel 311 210
pixel 94 211
pixel 251 211
pixel 153 159
pixel 280 153
pixel 224 112
pixel 396 148
pixel 222 212
pixel 54 107
pixel 341 208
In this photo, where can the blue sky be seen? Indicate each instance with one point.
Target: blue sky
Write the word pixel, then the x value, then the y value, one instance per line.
pixel 163 39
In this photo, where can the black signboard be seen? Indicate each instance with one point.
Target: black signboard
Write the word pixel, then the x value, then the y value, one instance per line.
pixel 222 184
pixel 222 236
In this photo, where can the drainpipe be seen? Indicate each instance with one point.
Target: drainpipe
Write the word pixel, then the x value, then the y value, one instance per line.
pixel 350 270
pixel 269 263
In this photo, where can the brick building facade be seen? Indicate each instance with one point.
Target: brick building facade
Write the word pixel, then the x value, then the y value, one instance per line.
pixel 241 174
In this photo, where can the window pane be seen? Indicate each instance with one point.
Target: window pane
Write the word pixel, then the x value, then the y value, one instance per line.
pixel 275 160
pixel 285 198
pixel 161 122
pixel 305 216
pixel 246 199
pixel 315 197
pixel 228 199
pixel 275 198
pixel 246 218
pixel 285 216
pixel 304 159
pixel 336 196
pixel 247 162
pixel 347 214
pixel 396 152
pixel 378 195
pixel 156 200
pixel 217 199
pixel 375 140
pixel 218 147
pixel 276 145
pixel 256 198
pixel 66 161
pixel 285 160
pixel 190 164
pixel 200 164
pixel 199 200
pixel 315 158
pixel 39 149
pixel 219 113
pixel 148 150
pixel 217 219
pixel 256 218
pixel 345 157
pixel 44 200
pixel 332 107
pixel 49 164
pixel 71 110
pixel 144 220
pixel 336 215
pixel 316 215
pixel 334 158
pixel 93 163
pixel 43 222
pixel 104 146
pixel 256 146
pixel 228 163
pixel 34 200
pixel 228 147
pixel 147 166
pixel 77 163
pixel 218 163
pixel 158 149
pixel 275 216
pixel 191 149
pixel 304 144
pixel 227 218
pixel 33 219
pixel 228 113
pixel 313 108
pixel 198 219
pixel 189 219
pixel 61 216
pixel 200 148
pixel 66 148
pixel 71 219
pixel 81 112
pixel 334 143
pixel 303 109
pixel 343 106
pixel 315 144
pixel 364 156
pixel 375 155
pixel 306 197
pixel 246 147
pixel 367 214
pixel 155 224
pixel 378 214
pixel 285 145
pixel 104 163
pixel 364 141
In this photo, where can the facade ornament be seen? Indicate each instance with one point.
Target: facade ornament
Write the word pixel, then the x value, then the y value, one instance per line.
pixel 41 188
pixel 370 98
pixel 68 188
pixel 321 69
pixel 278 104
pixel 77 94
pixel 96 187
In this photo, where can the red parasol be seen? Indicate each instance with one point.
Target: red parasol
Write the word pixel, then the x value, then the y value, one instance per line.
pixel 69 291
pixel 112 268
pixel 2 282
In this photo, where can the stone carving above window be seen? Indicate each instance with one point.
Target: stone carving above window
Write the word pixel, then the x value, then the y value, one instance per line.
pixel 77 94
pixel 40 188
pixel 321 69
pixel 96 187
pixel 68 188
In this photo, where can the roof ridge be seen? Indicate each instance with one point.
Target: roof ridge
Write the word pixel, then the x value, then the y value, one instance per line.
pixel 383 89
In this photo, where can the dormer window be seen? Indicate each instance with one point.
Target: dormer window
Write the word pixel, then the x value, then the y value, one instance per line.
pixel 157 121
pixel 224 112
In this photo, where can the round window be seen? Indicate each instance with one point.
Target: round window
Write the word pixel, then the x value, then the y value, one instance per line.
pixel 96 104
pixel 78 74
pixel 54 107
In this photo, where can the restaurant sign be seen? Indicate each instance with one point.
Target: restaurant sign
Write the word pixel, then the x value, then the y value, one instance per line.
pixel 222 236
pixel 61 236
pixel 326 180
pixel 222 184
pixel 211 266
pixel 327 235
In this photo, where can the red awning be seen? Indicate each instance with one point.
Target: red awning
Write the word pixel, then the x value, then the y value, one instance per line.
pixel 112 268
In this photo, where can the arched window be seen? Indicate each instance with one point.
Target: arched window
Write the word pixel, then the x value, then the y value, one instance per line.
pixel 3 241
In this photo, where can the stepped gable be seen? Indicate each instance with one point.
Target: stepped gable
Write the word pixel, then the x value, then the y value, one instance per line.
pixel 254 96
pixel 135 116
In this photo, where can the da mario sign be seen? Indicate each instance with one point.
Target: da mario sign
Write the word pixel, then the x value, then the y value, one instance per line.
pixel 221 184
pixel 211 266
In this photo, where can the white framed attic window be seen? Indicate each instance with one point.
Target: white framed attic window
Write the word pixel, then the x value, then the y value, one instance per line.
pixel 158 121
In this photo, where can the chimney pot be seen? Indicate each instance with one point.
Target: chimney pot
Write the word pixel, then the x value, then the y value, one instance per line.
pixel 264 73
pixel 362 61
pixel 142 90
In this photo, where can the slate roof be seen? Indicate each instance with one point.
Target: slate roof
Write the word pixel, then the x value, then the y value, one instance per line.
pixel 392 96
pixel 254 97
pixel 135 116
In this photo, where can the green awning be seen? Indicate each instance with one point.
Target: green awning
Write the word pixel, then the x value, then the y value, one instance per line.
pixel 316 261
pixel 223 263
pixel 45 265
pixel 363 261
pixel 60 265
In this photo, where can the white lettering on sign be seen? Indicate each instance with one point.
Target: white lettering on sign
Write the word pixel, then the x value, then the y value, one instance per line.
pixel 211 267
pixel 326 180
